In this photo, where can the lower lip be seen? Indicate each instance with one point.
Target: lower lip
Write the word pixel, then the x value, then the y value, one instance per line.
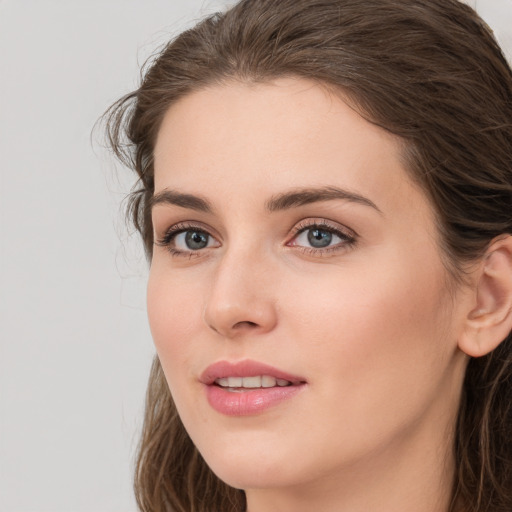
pixel 251 401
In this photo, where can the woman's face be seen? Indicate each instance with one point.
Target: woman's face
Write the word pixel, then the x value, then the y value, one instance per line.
pixel 291 248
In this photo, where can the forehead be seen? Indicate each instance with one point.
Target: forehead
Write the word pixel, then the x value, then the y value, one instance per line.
pixel 269 136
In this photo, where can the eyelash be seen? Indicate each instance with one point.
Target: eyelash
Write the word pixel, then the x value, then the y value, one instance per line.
pixel 347 236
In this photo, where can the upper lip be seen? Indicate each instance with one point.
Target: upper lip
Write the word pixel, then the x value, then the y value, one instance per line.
pixel 246 368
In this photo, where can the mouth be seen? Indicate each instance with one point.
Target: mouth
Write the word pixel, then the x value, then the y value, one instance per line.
pixel 247 374
pixel 248 387
pixel 240 384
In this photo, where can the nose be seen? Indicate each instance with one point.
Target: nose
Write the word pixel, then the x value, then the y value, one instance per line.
pixel 242 299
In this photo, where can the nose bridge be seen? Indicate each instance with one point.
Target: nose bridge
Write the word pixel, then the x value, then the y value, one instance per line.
pixel 241 298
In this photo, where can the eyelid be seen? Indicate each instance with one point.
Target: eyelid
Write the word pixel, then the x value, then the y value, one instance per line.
pixel 327 224
pixel 186 226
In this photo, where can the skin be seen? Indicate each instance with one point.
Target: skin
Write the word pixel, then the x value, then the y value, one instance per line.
pixel 371 324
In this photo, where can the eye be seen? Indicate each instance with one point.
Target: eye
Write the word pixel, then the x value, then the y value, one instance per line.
pixel 317 236
pixel 184 239
pixel 192 240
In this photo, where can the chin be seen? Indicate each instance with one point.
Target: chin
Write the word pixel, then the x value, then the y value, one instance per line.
pixel 251 465
pixel 249 476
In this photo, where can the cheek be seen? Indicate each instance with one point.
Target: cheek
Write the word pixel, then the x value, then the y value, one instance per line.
pixel 371 302
pixel 175 310
pixel 379 337
pixel 174 313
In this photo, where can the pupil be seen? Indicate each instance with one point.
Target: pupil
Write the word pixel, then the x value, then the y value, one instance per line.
pixel 319 237
pixel 196 240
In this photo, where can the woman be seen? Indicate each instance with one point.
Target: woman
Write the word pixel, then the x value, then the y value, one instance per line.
pixel 326 192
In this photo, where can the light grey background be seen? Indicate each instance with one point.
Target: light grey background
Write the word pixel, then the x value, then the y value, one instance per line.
pixel 75 348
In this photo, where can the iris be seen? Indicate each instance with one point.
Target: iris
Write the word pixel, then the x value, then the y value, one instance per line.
pixel 319 237
pixel 196 240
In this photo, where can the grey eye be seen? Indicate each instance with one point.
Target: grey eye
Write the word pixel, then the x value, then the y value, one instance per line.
pixel 319 238
pixel 196 240
pixel 192 240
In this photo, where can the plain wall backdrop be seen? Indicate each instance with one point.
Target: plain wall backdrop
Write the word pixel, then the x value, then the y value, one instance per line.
pixel 75 348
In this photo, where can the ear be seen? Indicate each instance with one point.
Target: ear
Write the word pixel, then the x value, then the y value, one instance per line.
pixel 489 321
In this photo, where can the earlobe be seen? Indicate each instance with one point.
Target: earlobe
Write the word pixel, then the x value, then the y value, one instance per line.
pixel 489 321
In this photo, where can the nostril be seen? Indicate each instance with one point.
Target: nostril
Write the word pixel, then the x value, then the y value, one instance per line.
pixel 245 323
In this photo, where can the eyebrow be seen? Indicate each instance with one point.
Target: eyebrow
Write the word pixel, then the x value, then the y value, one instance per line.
pixel 189 201
pixel 301 197
pixel 279 202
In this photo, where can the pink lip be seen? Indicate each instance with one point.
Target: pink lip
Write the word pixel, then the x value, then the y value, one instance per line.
pixel 252 401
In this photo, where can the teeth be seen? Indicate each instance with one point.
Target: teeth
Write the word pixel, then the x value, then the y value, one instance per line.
pixel 235 382
pixel 267 382
pixel 251 382
pixel 260 381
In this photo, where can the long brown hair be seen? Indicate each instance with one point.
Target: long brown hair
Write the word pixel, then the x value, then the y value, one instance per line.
pixel 428 71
